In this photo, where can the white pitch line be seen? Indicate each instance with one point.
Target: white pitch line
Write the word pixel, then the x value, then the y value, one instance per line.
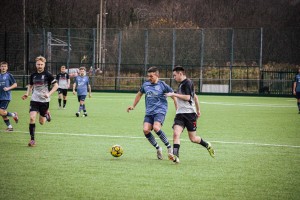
pixel 248 104
pixel 135 137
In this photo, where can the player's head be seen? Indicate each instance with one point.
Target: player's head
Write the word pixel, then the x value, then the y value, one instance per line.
pixel 153 74
pixel 179 73
pixel 82 71
pixel 63 69
pixel 40 63
pixel 4 67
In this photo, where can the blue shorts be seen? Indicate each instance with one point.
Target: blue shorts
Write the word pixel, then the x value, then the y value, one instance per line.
pixel 81 98
pixel 155 118
pixel 4 104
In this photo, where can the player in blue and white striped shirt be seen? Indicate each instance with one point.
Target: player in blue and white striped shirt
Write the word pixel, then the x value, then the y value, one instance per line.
pixel 7 83
pixel 82 84
pixel 156 108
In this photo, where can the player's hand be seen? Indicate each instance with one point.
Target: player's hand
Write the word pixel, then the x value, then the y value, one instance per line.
pixel 170 94
pixel 198 114
pixel 46 95
pixel 24 96
pixel 5 89
pixel 130 108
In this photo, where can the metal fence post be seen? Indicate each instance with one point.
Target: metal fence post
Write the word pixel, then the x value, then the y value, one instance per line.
pixel 69 51
pixel 146 51
pixel 231 60
pixel 201 59
pixel 174 49
pixel 119 60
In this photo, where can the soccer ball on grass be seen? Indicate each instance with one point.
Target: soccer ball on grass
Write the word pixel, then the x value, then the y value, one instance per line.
pixel 116 150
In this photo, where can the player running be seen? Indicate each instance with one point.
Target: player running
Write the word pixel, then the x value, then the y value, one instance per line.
pixel 186 115
pixel 82 84
pixel 63 80
pixel 7 83
pixel 39 83
pixel 156 108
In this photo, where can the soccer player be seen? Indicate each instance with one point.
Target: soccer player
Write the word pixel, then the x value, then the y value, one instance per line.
pixel 39 83
pixel 82 84
pixel 186 115
pixel 156 108
pixel 296 89
pixel 7 83
pixel 63 80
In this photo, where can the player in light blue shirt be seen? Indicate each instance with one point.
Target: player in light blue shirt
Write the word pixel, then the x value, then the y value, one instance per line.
pixel 7 83
pixel 156 108
pixel 296 89
pixel 82 85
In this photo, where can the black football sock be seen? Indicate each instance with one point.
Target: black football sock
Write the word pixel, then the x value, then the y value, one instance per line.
pixel 64 103
pixel 59 102
pixel 176 149
pixel 203 143
pixel 31 131
pixel 7 122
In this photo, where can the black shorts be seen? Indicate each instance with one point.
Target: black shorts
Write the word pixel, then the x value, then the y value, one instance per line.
pixel 186 120
pixel 64 92
pixel 41 107
pixel 298 95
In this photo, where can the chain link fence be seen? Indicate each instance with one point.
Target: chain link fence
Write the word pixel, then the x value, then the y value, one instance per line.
pixel 218 60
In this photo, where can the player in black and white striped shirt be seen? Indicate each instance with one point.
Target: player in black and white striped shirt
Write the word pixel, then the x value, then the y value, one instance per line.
pixel 188 111
pixel 39 84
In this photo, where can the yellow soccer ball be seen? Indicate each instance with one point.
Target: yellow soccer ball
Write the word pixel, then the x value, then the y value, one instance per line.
pixel 116 150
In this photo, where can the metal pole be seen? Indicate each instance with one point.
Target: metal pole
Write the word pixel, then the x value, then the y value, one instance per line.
pixel 97 54
pixel 119 60
pixel 49 37
pixel 261 48
pixel 146 51
pixel 231 60
pixel 24 35
pixel 100 33
pixel 174 49
pixel 201 59
pixel 69 51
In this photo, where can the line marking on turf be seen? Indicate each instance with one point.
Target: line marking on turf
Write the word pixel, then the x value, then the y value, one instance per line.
pixel 249 104
pixel 137 137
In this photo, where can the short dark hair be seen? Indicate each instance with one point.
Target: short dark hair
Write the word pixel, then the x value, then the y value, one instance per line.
pixel 5 63
pixel 178 69
pixel 153 69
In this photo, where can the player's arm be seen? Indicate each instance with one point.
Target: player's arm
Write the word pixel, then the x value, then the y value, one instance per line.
pixel 90 91
pixel 74 86
pixel 175 102
pixel 68 86
pixel 13 86
pixel 54 88
pixel 185 97
pixel 196 100
pixel 29 89
pixel 294 88
pixel 136 101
